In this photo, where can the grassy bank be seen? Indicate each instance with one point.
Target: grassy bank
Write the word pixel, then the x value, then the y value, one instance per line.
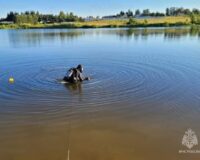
pixel 150 22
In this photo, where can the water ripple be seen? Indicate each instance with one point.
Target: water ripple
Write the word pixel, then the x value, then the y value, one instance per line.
pixel 113 81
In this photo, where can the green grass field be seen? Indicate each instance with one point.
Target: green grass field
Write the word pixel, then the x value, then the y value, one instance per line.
pixel 150 22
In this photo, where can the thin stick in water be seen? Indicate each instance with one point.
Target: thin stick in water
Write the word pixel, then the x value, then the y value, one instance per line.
pixel 68 154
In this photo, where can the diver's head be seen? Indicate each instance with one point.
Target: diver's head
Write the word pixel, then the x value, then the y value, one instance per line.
pixel 80 68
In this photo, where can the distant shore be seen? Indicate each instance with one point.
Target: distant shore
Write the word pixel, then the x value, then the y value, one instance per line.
pixel 150 22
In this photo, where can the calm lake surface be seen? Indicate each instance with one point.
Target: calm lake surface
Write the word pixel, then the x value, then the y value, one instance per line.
pixel 144 94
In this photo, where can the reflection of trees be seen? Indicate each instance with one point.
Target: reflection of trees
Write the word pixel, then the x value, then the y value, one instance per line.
pixel 168 33
pixel 176 34
pixel 35 37
pixel 195 31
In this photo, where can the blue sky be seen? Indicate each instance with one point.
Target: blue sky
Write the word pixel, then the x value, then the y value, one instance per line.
pixel 91 7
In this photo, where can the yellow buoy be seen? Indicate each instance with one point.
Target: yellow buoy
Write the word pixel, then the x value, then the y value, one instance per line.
pixel 11 80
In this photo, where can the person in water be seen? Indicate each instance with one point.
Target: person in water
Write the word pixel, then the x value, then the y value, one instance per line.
pixel 75 75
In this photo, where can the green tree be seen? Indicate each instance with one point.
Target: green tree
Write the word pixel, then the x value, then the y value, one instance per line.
pixel 122 13
pixel 195 11
pixel 129 13
pixel 61 16
pixel 167 12
pixel 11 16
pixel 137 12
pixel 132 21
pixel 146 12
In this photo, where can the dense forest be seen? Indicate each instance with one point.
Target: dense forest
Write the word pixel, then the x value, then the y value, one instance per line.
pixel 173 11
pixel 33 17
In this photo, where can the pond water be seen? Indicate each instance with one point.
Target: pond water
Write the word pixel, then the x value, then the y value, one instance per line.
pixel 143 95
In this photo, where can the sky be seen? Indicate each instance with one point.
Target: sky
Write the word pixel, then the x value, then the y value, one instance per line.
pixel 91 7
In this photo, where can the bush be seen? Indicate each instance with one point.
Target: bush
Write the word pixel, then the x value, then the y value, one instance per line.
pixel 195 19
pixel 132 21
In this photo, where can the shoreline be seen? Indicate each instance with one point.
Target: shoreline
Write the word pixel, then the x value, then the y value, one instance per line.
pixel 10 27
pixel 145 23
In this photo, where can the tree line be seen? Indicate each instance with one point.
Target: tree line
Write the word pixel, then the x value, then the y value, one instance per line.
pixel 145 12
pixel 173 11
pixel 33 17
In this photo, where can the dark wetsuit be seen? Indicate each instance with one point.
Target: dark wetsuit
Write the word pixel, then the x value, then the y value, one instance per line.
pixel 74 76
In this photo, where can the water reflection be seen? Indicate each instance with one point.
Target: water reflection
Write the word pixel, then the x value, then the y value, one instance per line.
pixel 36 37
pixel 74 88
pixel 167 33
pixel 141 99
